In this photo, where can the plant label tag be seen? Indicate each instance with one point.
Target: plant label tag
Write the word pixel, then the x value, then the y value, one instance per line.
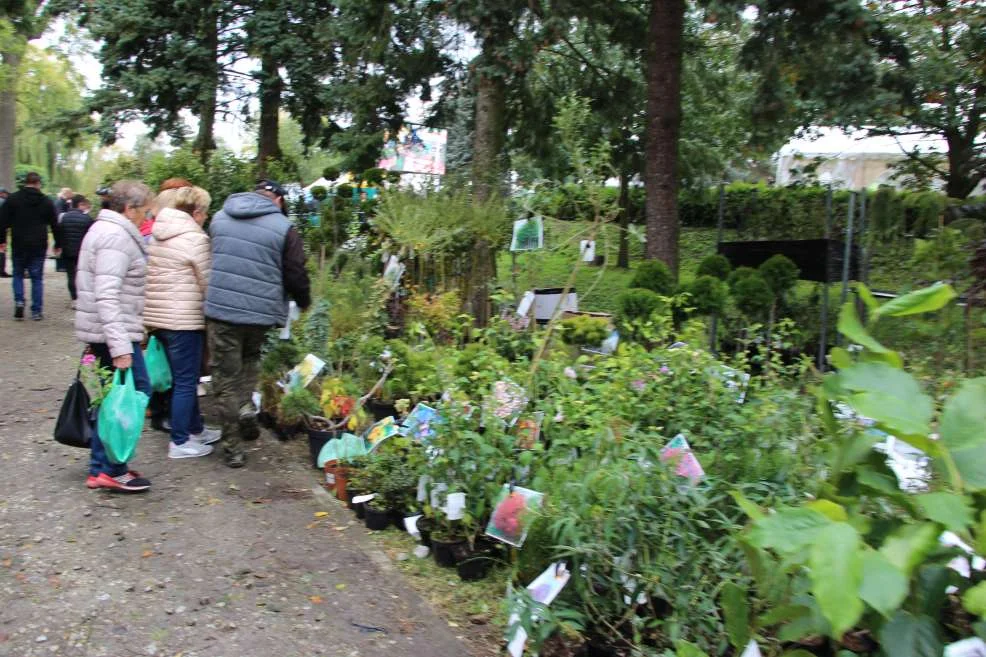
pixel 411 525
pixel 330 478
pixel 752 650
pixel 423 488
pixel 524 308
pixel 455 506
pixel 974 647
pixel 361 499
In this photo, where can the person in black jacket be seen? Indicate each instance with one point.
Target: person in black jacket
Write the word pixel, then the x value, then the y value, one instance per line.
pixel 28 214
pixel 3 256
pixel 72 227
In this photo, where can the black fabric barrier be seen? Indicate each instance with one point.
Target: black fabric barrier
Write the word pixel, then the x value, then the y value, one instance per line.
pixel 818 260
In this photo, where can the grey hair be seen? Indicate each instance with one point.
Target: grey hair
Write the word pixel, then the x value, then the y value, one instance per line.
pixel 129 194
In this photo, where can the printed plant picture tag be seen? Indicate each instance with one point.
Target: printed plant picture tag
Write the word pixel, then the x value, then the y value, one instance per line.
pixel 680 453
pixel 544 589
pixel 512 514
pixel 528 430
pixel 380 432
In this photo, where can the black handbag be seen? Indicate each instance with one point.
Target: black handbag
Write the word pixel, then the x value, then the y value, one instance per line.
pixel 74 424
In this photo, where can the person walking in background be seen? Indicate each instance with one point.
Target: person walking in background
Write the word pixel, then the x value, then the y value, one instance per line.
pixel 258 262
pixel 3 256
pixel 72 227
pixel 110 280
pixel 179 260
pixel 29 214
pixel 64 201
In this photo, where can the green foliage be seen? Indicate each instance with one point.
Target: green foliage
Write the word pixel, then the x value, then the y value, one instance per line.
pixel 715 265
pixel 780 274
pixel 865 555
pixel 639 303
pixel 739 274
pixel 585 331
pixel 297 405
pixel 655 276
pixel 708 295
pixel 752 295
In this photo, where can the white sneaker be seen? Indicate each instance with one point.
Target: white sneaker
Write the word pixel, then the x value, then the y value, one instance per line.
pixel 189 450
pixel 207 437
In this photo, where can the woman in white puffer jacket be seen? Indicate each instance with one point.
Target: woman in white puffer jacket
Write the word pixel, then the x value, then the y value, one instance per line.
pixel 178 265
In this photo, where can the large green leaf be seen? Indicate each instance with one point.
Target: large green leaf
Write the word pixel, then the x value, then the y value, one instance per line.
pixel 737 615
pixel 836 574
pixel 890 396
pixel 974 600
pixel 963 432
pixel 685 649
pixel 925 300
pixel 908 546
pixel 884 585
pixel 788 530
pixel 866 296
pixel 906 635
pixel 953 511
pixel 852 328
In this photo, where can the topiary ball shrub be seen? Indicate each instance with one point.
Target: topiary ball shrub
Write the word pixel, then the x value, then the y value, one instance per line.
pixel 708 295
pixel 780 273
pixel 714 265
pixel 655 276
pixel 752 295
pixel 638 303
pixel 584 331
pixel 319 193
pixel 739 274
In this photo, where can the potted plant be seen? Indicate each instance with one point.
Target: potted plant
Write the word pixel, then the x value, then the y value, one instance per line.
pixel 390 478
pixel 339 411
pixel 280 357
pixel 293 410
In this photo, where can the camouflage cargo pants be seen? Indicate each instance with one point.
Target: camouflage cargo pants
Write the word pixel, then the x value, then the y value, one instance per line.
pixel 235 354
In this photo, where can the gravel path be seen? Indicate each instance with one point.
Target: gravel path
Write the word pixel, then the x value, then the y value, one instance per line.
pixel 212 562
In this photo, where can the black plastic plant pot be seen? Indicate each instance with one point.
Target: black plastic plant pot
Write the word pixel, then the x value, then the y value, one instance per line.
pixel 377 520
pixel 316 441
pixel 447 552
pixel 380 409
pixel 360 510
pixel 425 527
pixel 475 566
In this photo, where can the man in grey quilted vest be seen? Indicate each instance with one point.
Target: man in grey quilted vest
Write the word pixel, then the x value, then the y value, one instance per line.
pixel 258 266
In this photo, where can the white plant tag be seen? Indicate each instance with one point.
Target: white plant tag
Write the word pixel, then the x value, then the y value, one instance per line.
pixel 423 488
pixel 436 495
pixel 525 304
pixel 974 647
pixel 752 650
pixel 411 525
pixel 455 506
pixel 360 499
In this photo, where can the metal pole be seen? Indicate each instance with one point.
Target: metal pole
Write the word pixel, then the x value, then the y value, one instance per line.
pixel 847 254
pixel 714 329
pixel 823 337
pixel 864 251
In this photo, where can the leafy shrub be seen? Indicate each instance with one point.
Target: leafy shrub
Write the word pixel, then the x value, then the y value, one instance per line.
pixel 739 274
pixel 780 273
pixel 752 295
pixel 639 303
pixel 715 265
pixel 584 331
pixel 296 405
pixel 319 193
pixel 655 276
pixel 708 295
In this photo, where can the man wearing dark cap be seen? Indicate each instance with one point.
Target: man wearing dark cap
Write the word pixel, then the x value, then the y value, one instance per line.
pixel 258 265
pixel 29 214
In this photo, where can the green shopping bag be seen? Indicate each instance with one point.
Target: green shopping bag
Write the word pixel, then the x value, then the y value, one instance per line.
pixel 158 369
pixel 121 417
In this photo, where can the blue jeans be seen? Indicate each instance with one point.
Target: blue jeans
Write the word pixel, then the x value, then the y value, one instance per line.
pixel 184 349
pixel 98 462
pixel 33 261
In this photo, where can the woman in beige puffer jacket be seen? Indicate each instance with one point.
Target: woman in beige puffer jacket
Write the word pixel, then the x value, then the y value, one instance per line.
pixel 178 265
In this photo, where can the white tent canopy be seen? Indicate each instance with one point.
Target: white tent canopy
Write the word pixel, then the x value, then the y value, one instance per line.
pixel 851 160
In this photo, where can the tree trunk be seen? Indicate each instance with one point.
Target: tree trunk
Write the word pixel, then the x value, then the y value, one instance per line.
pixel 8 115
pixel 205 141
pixel 665 29
pixel 271 86
pixel 962 179
pixel 623 258
pixel 487 166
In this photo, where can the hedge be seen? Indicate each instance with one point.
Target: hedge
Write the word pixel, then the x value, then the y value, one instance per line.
pixel 757 211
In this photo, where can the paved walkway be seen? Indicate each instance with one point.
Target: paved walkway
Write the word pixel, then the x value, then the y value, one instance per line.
pixel 212 562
